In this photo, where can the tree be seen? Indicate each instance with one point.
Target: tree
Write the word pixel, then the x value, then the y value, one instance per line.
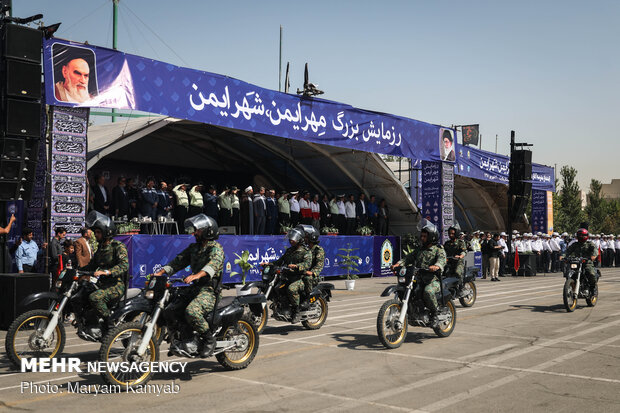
pixel 596 210
pixel 570 215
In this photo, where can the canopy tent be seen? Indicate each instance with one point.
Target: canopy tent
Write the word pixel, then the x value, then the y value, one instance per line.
pixel 272 161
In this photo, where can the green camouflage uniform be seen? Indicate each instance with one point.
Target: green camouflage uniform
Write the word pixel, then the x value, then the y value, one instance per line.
pixel 210 259
pixel 585 250
pixel 318 262
pixel 452 249
pixel 301 256
pixel 93 244
pixel 111 257
pixel 424 257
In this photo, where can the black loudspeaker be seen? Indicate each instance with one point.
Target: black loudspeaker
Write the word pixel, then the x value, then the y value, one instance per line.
pixel 520 170
pixel 519 205
pixel 21 42
pixel 11 170
pixel 14 288
pixel 21 79
pixel 22 118
pixel 13 148
pixel 9 190
pixel 28 181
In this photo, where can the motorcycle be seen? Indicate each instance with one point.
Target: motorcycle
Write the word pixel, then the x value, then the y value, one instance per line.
pixel 41 333
pixel 408 308
pixel 136 342
pixel 467 292
pixel 313 308
pixel 573 286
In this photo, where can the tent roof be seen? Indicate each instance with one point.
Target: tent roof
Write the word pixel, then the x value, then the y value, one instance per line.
pixel 284 163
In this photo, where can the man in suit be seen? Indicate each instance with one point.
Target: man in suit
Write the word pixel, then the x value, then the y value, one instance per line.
pixel 149 199
pixel 326 217
pixel 272 214
pixel 164 205
pixel 101 195
pixel 260 212
pixel 120 198
pixel 82 247
pixel 210 199
pixel 361 210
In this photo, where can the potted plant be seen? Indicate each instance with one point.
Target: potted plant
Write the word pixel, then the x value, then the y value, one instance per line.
pixel 284 228
pixel 333 231
pixel 325 230
pixel 365 230
pixel 245 265
pixel 349 263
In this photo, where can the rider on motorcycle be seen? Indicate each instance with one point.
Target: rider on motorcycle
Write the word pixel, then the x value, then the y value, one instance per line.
pixel 456 247
pixel 299 259
pixel 427 255
pixel 311 277
pixel 110 264
pixel 206 260
pixel 584 249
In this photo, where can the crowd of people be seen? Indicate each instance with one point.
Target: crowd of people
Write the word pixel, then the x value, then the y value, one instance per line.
pixel 546 248
pixel 260 212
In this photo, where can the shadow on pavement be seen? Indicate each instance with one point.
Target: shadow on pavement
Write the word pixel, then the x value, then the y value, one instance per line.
pixel 371 341
pixel 556 308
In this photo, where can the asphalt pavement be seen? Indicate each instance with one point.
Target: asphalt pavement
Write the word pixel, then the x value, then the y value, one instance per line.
pixel 515 350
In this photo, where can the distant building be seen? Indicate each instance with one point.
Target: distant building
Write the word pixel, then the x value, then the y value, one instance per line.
pixel 612 190
pixel 584 199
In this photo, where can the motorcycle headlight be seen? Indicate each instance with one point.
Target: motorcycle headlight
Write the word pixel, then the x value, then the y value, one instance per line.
pixel 401 280
pixel 573 266
pixel 149 294
pixel 58 284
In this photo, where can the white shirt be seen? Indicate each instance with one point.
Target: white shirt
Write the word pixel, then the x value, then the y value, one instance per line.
pixel 516 245
pixel 341 208
pixel 315 207
pixel 554 244
pixel 349 209
pixel 503 244
pixel 603 244
pixel 294 204
pixel 303 204
pixel 536 245
pixel 547 245
pixel 527 245
pixel 610 245
pixel 618 244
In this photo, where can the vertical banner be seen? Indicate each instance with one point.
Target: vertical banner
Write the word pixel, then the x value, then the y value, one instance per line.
pixel 447 199
pixel 68 185
pixel 35 216
pixel 539 211
pixel 549 212
pixel 386 251
pixel 431 192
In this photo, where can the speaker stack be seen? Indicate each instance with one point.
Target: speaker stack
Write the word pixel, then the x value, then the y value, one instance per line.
pixel 519 182
pixel 20 109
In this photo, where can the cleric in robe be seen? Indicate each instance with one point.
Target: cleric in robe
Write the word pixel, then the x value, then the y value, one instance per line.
pixel 74 75
pixel 446 145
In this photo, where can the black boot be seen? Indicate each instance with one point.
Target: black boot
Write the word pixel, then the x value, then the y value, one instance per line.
pixel 295 317
pixel 434 319
pixel 208 344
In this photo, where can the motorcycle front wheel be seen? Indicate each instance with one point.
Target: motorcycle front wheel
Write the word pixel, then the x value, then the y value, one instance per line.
pixel 445 328
pixel 391 333
pixel 314 324
pixel 23 339
pixel 121 345
pixel 471 293
pixel 241 355
pixel 570 298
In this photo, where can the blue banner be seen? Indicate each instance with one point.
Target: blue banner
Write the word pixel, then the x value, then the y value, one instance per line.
pixel 431 192
pixel 84 75
pixel 489 166
pixel 539 211
pixel 148 253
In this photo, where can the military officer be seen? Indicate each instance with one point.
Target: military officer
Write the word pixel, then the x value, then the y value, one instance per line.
pixel 456 248
pixel 205 257
pixel 585 249
pixel 109 263
pixel 311 277
pixel 431 258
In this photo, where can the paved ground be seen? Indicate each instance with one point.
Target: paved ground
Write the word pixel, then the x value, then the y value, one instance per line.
pixel 516 350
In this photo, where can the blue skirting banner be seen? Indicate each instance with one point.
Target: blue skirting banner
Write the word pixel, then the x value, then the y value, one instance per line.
pixel 90 76
pixel 148 253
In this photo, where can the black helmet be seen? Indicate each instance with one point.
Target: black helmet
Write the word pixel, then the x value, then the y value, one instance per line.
pixel 312 235
pixel 457 230
pixel 96 219
pixel 430 229
pixel 296 234
pixel 204 223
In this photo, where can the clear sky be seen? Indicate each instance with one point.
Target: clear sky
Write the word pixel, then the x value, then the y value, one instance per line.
pixel 550 70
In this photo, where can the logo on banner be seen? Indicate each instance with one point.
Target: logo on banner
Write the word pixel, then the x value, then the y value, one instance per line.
pixel 228 267
pixel 387 254
pixel 142 269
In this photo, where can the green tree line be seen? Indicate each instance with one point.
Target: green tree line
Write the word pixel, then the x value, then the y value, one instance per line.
pixel 602 215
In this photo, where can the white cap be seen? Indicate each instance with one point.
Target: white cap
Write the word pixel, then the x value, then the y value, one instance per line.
pixel 248 189
pixel 502 234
